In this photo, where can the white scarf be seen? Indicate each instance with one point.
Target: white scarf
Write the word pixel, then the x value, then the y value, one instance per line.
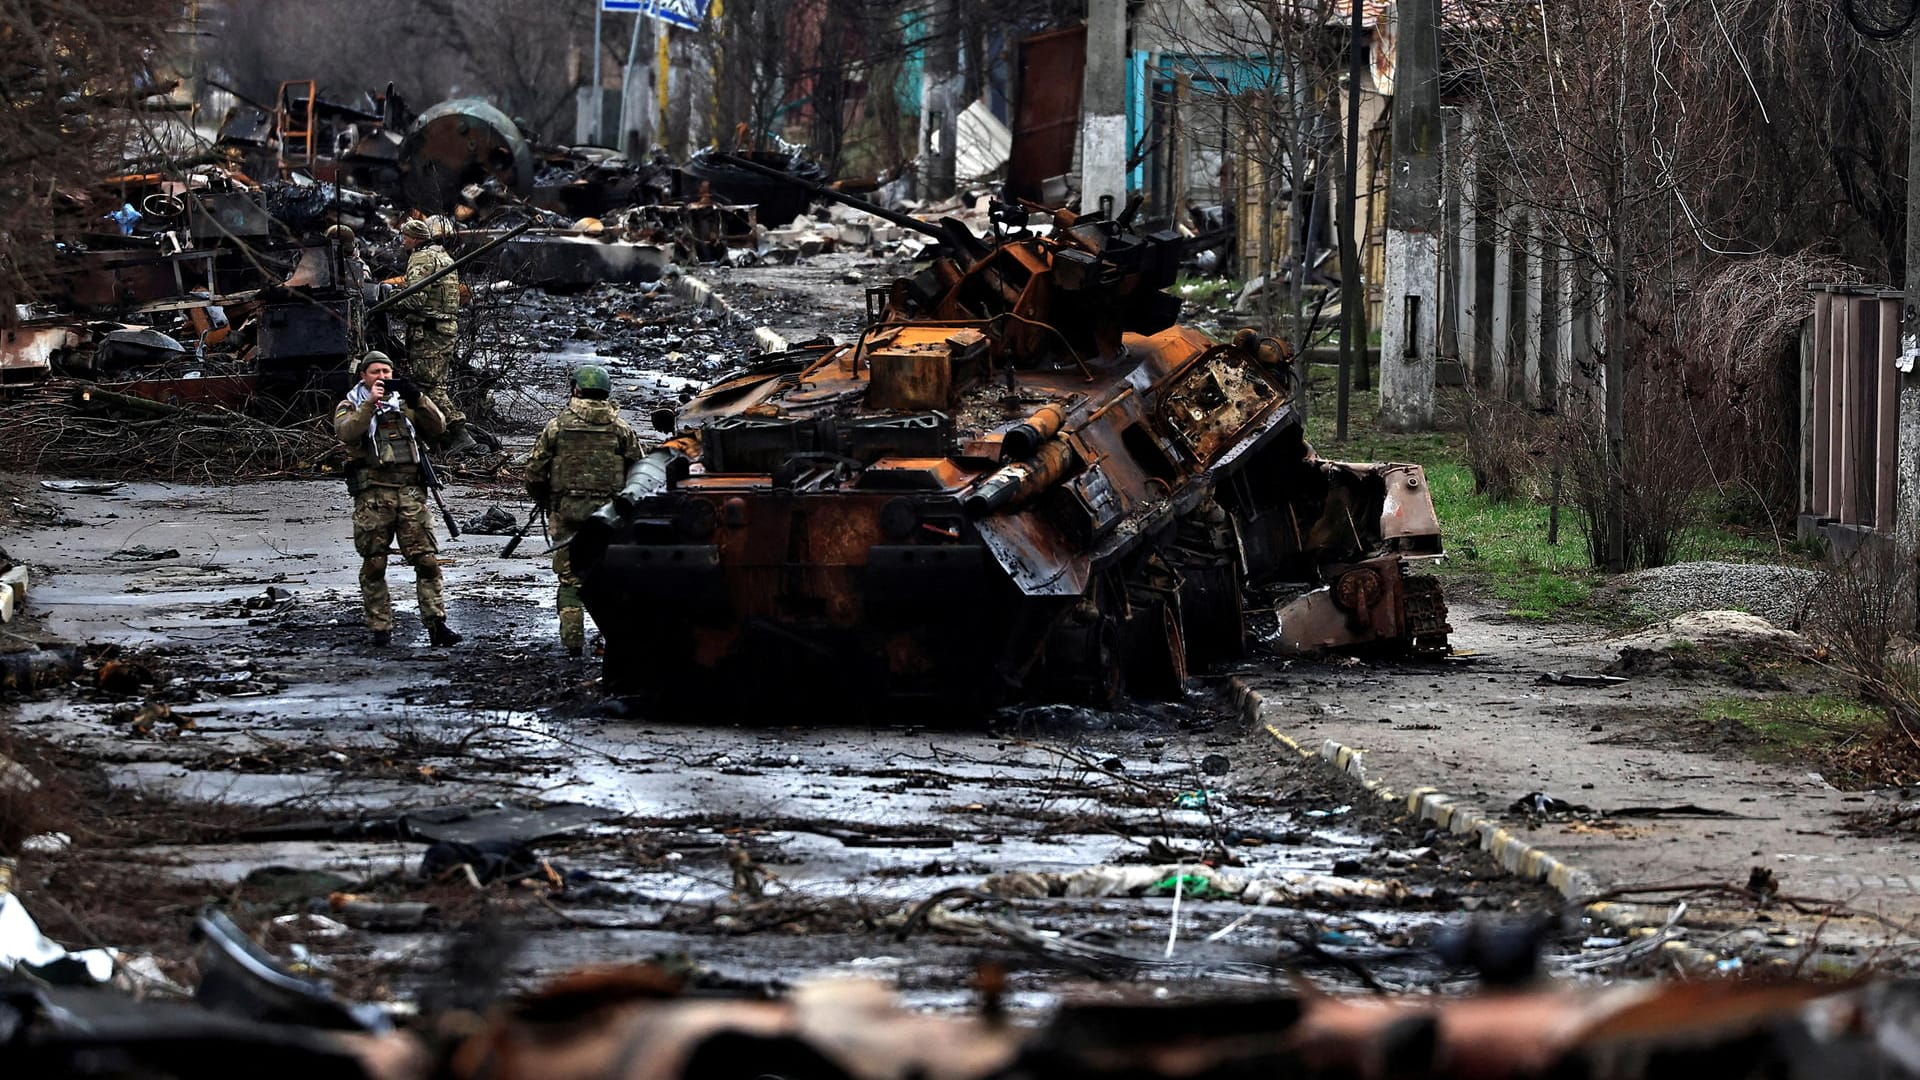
pixel 360 395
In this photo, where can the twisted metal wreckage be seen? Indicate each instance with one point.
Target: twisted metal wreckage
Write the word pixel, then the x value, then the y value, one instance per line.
pixel 209 288
pixel 1022 467
pixel 643 1023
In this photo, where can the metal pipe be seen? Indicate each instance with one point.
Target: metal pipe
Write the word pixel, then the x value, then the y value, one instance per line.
pixel 598 96
pixel 1024 439
pixel 1016 483
pixel 450 268
pixel 653 474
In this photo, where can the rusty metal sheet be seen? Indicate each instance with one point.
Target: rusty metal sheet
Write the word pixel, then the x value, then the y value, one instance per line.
pixel 28 354
pixel 1046 115
pixel 1407 518
pixel 227 391
pixel 1034 554
pixel 105 280
pixel 1216 399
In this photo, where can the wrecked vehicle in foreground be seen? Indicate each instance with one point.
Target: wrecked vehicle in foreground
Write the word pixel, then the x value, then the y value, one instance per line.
pixel 1022 480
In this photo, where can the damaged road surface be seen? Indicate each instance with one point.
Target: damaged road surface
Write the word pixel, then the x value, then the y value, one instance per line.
pixel 363 813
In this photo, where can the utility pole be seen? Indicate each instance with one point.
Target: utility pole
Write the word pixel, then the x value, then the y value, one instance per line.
pixel 634 98
pixel 1353 296
pixel 938 118
pixel 1907 447
pixel 1103 102
pixel 599 95
pixel 1410 321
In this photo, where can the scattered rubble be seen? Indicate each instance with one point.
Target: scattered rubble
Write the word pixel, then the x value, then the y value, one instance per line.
pixel 1777 594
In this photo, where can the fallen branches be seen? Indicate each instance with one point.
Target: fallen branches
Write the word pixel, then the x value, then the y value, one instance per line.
pixel 48 431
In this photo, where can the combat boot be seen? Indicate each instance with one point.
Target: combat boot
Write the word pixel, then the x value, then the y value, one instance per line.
pixel 573 630
pixel 458 440
pixel 439 633
pixel 382 638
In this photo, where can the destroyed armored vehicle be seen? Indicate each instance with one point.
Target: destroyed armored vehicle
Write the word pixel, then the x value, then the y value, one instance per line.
pixel 1023 480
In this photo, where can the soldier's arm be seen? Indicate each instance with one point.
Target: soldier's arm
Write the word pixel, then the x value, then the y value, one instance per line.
pixel 418 267
pixel 540 467
pixel 427 417
pixel 631 449
pixel 351 423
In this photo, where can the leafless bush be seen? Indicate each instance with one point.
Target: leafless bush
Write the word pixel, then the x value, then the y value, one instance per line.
pixel 1505 445
pixel 1860 616
pixel 1657 484
pixel 497 359
pixel 1738 330
pixel 47 431
pixel 65 67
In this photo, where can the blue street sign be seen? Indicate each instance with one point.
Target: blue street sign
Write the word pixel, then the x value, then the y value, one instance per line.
pixel 634 6
pixel 685 14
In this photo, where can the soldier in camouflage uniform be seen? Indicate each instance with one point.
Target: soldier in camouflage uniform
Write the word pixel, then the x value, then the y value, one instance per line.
pixel 380 422
pixel 433 328
pixel 579 462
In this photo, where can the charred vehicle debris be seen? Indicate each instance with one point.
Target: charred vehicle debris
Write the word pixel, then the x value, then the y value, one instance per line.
pixel 981 662
pixel 1023 476
pixel 1022 479
pixel 226 280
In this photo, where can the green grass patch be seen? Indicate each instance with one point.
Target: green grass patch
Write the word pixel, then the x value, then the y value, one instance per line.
pixel 1788 727
pixel 1206 291
pixel 1500 547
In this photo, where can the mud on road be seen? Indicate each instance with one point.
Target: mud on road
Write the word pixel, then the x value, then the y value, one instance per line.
pixel 760 849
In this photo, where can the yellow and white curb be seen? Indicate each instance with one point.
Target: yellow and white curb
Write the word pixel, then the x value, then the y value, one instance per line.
pixel 1514 854
pixel 697 292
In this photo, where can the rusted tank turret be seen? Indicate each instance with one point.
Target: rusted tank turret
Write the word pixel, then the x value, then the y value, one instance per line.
pixel 1023 479
pixel 461 142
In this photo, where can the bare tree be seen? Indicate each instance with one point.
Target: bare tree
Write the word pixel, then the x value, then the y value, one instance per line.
pixel 1275 66
pixel 1650 149
pixel 71 75
pixel 515 55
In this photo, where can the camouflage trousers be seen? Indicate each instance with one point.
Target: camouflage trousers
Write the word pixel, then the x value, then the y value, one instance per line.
pixel 566 601
pixel 380 516
pixel 430 353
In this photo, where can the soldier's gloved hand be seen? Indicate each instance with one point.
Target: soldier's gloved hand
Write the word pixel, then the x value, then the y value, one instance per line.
pixel 408 392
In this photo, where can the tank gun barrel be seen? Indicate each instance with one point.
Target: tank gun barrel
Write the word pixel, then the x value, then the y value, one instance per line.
pixel 653 473
pixel 905 221
pixel 1019 482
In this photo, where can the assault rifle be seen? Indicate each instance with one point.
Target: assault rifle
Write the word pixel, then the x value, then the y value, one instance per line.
pixel 432 481
pixel 514 544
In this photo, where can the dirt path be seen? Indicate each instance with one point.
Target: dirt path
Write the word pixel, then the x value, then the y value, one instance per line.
pixel 1483 731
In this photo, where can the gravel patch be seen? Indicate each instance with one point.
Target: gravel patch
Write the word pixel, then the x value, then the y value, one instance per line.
pixel 1775 593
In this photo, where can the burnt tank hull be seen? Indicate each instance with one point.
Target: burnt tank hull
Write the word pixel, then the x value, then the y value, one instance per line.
pixel 1021 481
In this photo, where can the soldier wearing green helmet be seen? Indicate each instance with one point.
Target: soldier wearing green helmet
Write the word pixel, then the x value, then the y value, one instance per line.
pixel 432 318
pixel 579 462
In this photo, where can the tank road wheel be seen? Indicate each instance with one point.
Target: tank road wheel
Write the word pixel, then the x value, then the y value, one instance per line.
pixel 1084 656
pixel 1156 646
